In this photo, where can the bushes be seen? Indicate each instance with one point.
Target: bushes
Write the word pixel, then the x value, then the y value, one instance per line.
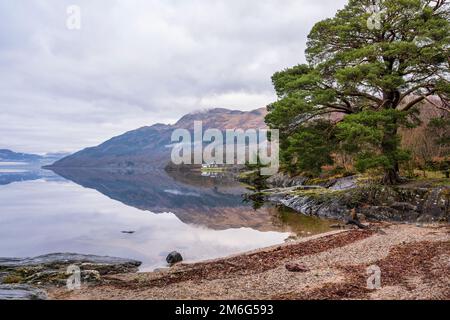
pixel 439 164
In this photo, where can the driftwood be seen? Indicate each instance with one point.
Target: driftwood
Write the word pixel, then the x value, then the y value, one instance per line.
pixel 356 223
pixel 354 220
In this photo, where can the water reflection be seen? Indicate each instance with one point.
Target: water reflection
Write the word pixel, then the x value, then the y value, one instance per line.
pixel 85 211
pixel 215 203
pixel 14 174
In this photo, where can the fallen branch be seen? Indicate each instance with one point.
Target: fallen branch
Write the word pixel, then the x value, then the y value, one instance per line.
pixel 356 223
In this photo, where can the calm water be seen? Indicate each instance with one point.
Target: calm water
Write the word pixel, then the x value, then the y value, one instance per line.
pixel 86 211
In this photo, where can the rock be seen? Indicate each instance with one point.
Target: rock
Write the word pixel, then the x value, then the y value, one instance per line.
pixel 296 267
pixel 356 223
pixel 52 268
pixel 3 275
pixel 174 257
pixel 47 276
pixel 60 261
pixel 313 205
pixel 436 205
pixel 290 189
pixel 21 292
pixel 386 213
pixel 281 180
pixel 291 238
pixel 403 206
pixel 90 276
pixel 345 183
pixel 375 203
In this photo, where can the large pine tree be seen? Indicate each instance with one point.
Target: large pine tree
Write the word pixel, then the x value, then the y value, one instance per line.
pixel 374 63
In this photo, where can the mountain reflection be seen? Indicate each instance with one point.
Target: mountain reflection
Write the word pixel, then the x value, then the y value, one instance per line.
pixel 213 202
pixel 12 175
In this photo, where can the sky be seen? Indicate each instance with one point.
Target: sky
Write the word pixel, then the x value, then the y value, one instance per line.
pixel 134 63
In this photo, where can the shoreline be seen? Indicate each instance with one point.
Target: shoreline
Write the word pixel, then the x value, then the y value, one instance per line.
pixel 414 262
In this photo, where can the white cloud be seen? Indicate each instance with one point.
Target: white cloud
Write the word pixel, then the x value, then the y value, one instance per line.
pixel 137 62
pixel 238 100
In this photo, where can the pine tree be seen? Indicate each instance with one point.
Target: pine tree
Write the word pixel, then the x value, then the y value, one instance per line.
pixel 367 70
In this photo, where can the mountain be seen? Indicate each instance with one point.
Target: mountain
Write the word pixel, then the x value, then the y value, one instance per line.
pixel 147 147
pixel 11 156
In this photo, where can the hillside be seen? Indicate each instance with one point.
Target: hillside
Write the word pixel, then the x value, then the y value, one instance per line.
pixel 147 146
pixel 11 156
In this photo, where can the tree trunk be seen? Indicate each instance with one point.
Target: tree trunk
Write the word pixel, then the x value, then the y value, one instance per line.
pixel 389 148
pixel 391 177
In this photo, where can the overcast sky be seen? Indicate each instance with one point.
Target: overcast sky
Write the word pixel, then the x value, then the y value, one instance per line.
pixel 137 62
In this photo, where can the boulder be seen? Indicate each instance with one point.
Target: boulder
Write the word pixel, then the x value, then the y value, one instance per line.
pixel 404 206
pixel 174 257
pixel 21 292
pixel 375 202
pixel 345 183
pixel 60 261
pixel 281 180
pixel 52 268
pixel 296 267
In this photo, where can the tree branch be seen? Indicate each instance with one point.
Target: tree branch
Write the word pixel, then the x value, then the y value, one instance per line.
pixel 417 100
pixel 443 107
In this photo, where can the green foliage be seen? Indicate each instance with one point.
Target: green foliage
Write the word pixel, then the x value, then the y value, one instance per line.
pixel 310 148
pixel 442 165
pixel 368 79
pixel 253 176
pixel 371 136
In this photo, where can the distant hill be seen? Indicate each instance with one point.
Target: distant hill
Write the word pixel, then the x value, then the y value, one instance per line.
pixel 7 155
pixel 147 146
pixel 11 156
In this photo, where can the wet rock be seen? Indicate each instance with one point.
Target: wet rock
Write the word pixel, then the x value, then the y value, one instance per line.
pixel 313 205
pixel 387 213
pixel 21 292
pixel 3 275
pixel 356 223
pixel 291 239
pixel 281 180
pixel 47 277
pixel 52 268
pixel 60 261
pixel 174 257
pixel 91 276
pixel 345 183
pixel 296 267
pixel 290 189
pixel 374 202
pixel 403 206
pixel 436 205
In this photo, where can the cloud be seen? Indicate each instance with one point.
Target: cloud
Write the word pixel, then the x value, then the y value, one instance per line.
pixel 137 62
